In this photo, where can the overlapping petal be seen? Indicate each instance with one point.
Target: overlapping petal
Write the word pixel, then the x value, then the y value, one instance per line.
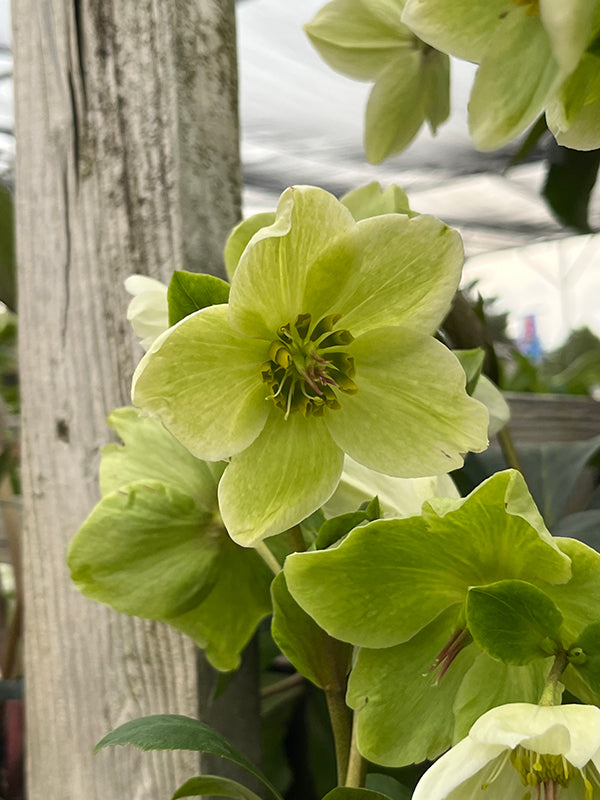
pixel 215 404
pixel 291 469
pixel 569 24
pixel 411 416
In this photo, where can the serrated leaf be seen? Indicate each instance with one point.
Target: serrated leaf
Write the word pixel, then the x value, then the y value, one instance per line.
pixel 513 621
pixel 176 732
pixel 317 656
pixel 214 785
pixel 189 292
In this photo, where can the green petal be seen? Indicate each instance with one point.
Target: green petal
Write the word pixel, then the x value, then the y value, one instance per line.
pixel 569 26
pixel 227 618
pixel 240 236
pixel 149 452
pixel 389 12
pixel 488 393
pixel 286 474
pixel 573 114
pixel 352 40
pixel 399 497
pixel 462 28
pixel 396 106
pixel 406 274
pixel 436 75
pixel 371 201
pixel 310 233
pixel 490 683
pixel 201 379
pixel 402 716
pixel 516 76
pixel 390 578
pixel 147 550
pixel 411 416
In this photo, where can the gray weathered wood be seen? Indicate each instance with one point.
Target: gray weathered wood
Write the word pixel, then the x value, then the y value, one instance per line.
pixel 127 161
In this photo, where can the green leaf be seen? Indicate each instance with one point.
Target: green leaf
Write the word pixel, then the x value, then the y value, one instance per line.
pixel 8 279
pixel 335 528
pixel 569 183
pixel 214 785
pixel 472 363
pixel 385 784
pixel 317 656
pixel 175 732
pixel 348 793
pixel 189 292
pixel 513 621
pixel 584 655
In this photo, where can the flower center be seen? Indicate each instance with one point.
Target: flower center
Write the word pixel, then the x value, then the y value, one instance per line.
pixel 308 366
pixel 547 773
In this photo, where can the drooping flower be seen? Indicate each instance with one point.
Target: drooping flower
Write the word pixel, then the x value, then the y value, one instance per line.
pixel 366 40
pixel 325 348
pixel 148 310
pixel 525 49
pixel 521 751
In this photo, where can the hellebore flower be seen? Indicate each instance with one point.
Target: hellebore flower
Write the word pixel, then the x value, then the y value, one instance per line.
pixel 366 40
pixel 148 312
pixel 521 752
pixel 525 49
pixel 324 348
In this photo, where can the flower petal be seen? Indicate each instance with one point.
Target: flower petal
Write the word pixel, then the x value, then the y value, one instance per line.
pixel 569 26
pixel 406 274
pixel 463 28
pixel 353 40
pixel 573 114
pixel 516 76
pixel 371 200
pixel 443 780
pixel 286 474
pixel 411 416
pixel 201 379
pixel 268 287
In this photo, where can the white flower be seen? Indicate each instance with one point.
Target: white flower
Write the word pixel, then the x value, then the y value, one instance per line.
pixel 148 312
pixel 521 751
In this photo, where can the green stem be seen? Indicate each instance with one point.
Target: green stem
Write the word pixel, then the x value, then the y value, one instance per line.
pixel 268 557
pixel 296 539
pixel 508 450
pixel 340 717
pixel 357 766
pixel 553 689
pixel 283 685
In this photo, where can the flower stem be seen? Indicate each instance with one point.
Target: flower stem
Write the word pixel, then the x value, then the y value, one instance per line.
pixel 553 689
pixel 508 450
pixel 268 557
pixel 340 718
pixel 357 766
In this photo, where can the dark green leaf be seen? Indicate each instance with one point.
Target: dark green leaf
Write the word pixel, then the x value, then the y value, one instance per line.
pixel 8 281
pixel 189 292
pixel 388 786
pixel 317 656
pixel 472 363
pixel 175 732
pixel 347 793
pixel 513 621
pixel 534 134
pixel 584 655
pixel 333 529
pixel 569 183
pixel 215 786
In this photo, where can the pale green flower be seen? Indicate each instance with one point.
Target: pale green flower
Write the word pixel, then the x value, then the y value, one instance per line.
pixel 365 40
pixel 325 348
pixel 525 48
pixel 521 752
pixel 148 312
pixel 573 115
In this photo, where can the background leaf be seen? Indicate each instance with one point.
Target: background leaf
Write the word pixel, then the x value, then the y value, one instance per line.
pixel 216 786
pixel 189 292
pixel 569 183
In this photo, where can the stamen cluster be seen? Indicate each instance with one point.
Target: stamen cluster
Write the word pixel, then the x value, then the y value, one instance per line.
pixel 307 366
pixel 546 773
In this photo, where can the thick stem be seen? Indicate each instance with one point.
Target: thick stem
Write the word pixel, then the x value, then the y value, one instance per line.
pixel 508 450
pixel 553 689
pixel 341 727
pixel 357 766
